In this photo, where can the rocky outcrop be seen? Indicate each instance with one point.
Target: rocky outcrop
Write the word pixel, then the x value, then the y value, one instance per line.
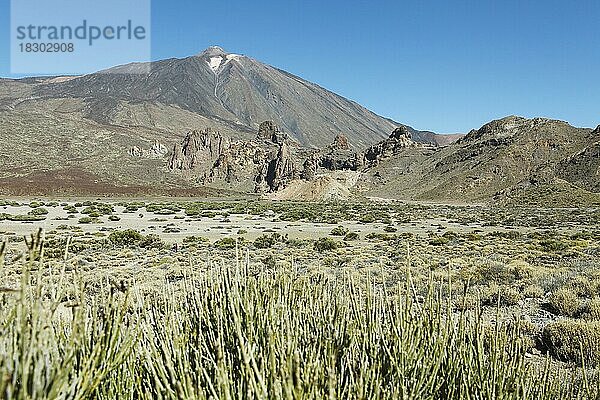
pixel 198 148
pixel 310 167
pixel 340 143
pixel 399 140
pixel 502 131
pixel 337 156
pixel 268 160
pixel 281 170
pixel 269 131
pixel 339 162
pixel 240 161
pixel 158 150
pixel 582 168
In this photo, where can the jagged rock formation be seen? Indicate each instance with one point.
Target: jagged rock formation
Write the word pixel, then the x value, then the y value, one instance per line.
pixel 281 170
pixel 340 143
pixel 198 148
pixel 269 160
pixel 271 132
pixel 504 160
pixel 340 156
pixel 400 139
pixel 310 167
pixel 583 168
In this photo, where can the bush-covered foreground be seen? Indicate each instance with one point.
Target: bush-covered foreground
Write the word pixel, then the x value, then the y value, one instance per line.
pixel 230 332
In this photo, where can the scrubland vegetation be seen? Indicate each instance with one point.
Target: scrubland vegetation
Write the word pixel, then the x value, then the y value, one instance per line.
pixel 481 304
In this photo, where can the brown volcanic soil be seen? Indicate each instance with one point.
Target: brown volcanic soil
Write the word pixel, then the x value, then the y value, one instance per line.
pixel 72 181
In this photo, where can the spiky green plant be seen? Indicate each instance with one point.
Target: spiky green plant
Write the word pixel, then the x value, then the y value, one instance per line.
pixel 229 331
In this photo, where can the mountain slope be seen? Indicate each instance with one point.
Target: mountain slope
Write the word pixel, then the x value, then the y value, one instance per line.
pixel 504 159
pixel 104 125
pixel 233 89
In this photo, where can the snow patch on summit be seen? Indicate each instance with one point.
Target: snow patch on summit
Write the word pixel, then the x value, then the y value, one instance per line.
pixel 214 63
pixel 217 62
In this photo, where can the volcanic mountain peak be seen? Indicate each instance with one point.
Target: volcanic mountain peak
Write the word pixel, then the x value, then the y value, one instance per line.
pixel 216 57
pixel 231 92
pixel 212 51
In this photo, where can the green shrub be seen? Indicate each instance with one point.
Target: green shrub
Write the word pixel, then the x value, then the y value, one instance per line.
pixel 473 237
pixel 88 220
pixel 533 291
pixel 574 341
pixel 552 245
pixel 24 218
pixel 367 219
pixel 267 241
pixel 151 241
pixel 126 238
pixel 564 301
pixel 591 310
pixel 325 244
pixel 505 295
pixel 70 209
pixel 339 231
pixel 521 270
pixel 450 235
pixel 380 236
pixel 38 211
pixel 194 241
pixel 225 243
pixel 298 243
pixel 439 241
pixel 351 236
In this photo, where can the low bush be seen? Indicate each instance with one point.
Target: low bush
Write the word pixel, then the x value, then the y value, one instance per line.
pixel 351 236
pixel 88 220
pixel 325 244
pixel 267 241
pixel 125 238
pixel 439 241
pixel 226 243
pixel 564 301
pixel 38 211
pixel 339 231
pixel 591 310
pixel 133 238
pixel 574 341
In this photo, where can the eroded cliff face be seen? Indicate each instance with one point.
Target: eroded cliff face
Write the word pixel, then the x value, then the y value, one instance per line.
pixel 269 161
pixel 198 149
pixel 270 132
pixel 272 160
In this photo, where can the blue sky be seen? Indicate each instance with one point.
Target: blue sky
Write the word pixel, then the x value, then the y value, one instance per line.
pixel 447 66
